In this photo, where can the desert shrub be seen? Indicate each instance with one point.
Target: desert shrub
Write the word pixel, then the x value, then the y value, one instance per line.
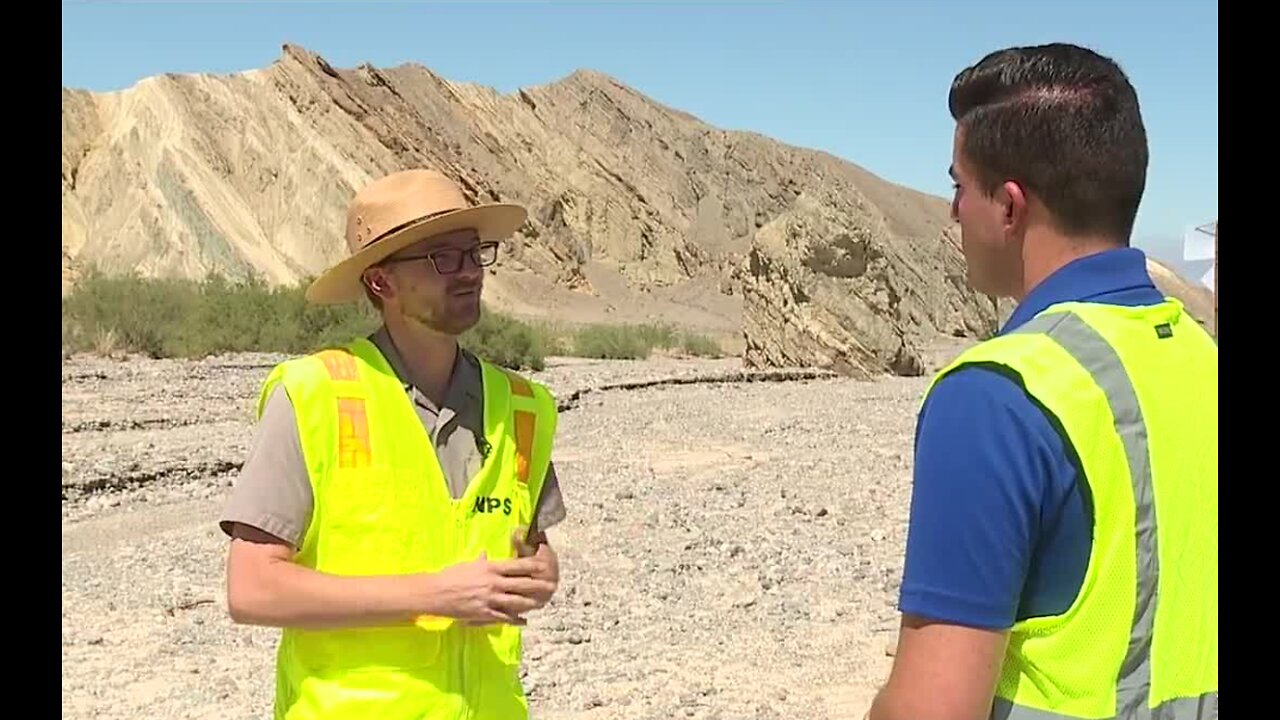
pixel 198 318
pixel 163 318
pixel 632 342
pixel 700 345
pixel 505 341
pixel 611 342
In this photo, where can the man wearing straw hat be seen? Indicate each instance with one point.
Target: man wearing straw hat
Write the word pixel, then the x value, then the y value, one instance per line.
pixel 391 514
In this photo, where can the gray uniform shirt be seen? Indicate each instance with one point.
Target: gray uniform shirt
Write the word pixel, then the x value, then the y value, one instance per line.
pixel 273 492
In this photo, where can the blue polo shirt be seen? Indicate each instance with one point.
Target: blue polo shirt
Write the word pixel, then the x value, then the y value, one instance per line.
pixel 1000 525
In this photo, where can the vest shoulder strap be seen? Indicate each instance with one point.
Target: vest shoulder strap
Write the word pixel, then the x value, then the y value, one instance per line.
pixel 320 371
pixel 1072 323
pixel 534 417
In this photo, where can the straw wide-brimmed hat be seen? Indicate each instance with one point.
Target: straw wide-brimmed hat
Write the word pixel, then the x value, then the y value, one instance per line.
pixel 398 210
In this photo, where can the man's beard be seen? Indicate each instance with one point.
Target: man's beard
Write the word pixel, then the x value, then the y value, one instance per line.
pixel 454 314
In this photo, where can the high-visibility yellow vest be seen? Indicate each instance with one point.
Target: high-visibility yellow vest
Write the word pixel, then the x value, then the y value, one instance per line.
pixel 1135 391
pixel 382 507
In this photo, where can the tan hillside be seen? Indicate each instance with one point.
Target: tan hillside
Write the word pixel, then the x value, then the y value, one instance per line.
pixel 639 212
pixel 1197 298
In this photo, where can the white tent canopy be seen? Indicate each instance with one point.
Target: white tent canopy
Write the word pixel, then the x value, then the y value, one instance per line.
pixel 1201 243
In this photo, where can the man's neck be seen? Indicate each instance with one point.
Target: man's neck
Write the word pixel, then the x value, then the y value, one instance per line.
pixel 428 356
pixel 1045 253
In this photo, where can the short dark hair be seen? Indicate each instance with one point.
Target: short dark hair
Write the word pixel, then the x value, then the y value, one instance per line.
pixel 1062 121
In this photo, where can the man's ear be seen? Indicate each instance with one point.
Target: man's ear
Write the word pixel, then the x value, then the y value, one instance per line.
pixel 1013 198
pixel 375 279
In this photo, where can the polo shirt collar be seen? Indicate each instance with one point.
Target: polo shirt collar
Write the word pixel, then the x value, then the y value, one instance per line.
pixel 1085 279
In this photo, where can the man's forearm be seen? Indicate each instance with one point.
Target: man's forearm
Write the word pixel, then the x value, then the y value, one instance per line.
pixel 284 594
pixel 878 710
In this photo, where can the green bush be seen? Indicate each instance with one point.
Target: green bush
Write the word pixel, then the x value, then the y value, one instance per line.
pixel 635 342
pixel 505 341
pixel 700 346
pixel 611 342
pixel 193 319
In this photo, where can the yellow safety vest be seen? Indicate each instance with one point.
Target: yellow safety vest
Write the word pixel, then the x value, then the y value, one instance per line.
pixel 382 507
pixel 1135 391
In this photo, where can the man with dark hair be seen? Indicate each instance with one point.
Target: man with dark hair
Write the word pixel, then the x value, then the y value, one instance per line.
pixel 1062 549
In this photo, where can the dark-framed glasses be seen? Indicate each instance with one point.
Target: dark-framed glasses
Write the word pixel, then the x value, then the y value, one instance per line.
pixel 448 261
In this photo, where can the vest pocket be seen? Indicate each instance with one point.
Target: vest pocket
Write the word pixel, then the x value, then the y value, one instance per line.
pixel 370 674
pixel 358 525
pixel 357 496
pixel 368 649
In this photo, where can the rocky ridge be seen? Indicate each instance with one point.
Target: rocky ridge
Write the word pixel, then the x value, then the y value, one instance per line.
pixel 638 212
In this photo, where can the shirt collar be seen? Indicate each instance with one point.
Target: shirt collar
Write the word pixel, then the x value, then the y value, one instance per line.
pixel 464 368
pixel 1084 279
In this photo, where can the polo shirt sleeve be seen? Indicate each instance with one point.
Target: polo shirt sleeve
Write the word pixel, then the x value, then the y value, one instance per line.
pixel 550 509
pixel 983 472
pixel 273 492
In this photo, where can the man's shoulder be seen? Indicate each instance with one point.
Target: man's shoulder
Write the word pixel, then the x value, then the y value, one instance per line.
pixel 326 363
pixel 1001 352
pixel 522 381
pixel 982 408
pixel 301 376
pixel 977 386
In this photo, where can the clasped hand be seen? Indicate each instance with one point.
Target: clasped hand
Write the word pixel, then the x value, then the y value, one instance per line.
pixel 483 592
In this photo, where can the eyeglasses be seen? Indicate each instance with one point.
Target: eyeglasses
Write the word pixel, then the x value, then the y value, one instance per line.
pixel 449 260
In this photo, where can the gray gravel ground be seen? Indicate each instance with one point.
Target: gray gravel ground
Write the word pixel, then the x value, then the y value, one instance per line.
pixel 732 550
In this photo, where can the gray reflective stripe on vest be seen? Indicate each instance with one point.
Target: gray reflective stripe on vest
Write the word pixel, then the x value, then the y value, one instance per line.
pixel 1133 686
pixel 1204 707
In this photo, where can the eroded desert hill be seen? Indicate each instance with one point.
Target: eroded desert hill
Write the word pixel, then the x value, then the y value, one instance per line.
pixel 638 211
